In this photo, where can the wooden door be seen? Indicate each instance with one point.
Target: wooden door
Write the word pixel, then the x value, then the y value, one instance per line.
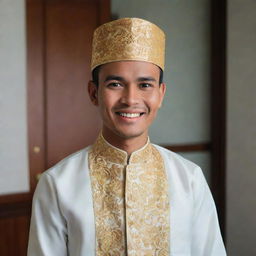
pixel 72 122
pixel 61 119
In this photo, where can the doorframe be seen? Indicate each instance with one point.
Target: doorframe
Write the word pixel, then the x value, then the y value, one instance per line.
pixel 218 107
pixel 13 205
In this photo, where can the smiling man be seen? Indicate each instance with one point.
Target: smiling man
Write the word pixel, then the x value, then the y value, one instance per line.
pixel 124 195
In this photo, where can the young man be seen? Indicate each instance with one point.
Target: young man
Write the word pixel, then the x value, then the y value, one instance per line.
pixel 124 195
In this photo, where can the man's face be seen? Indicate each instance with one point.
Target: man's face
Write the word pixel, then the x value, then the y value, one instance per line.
pixel 128 96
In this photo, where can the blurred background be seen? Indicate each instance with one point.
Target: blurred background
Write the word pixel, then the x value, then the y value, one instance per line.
pixel 208 116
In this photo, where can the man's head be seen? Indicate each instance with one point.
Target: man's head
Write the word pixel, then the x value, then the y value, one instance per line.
pixel 127 86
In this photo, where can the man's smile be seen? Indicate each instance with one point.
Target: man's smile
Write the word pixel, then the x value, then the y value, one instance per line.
pixel 130 115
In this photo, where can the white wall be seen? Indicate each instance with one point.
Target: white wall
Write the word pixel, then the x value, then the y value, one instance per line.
pixel 13 120
pixel 241 128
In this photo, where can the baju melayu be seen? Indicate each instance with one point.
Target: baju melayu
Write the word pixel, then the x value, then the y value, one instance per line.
pixel 100 202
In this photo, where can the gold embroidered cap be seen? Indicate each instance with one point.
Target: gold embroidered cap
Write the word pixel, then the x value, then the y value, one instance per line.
pixel 128 39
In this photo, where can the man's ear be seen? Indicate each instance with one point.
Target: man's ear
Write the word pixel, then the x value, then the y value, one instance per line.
pixel 162 93
pixel 93 92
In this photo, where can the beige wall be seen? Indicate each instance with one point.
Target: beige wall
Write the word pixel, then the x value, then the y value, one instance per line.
pixel 241 128
pixel 14 173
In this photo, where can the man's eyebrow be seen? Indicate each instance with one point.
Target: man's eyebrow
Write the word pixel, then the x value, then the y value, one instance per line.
pixel 113 77
pixel 121 79
pixel 146 79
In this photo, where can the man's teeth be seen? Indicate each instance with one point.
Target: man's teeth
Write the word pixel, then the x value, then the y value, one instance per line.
pixel 131 115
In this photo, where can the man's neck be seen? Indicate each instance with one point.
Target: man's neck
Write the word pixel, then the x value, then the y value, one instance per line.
pixel 129 145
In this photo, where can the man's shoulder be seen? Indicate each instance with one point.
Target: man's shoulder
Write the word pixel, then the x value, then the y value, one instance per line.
pixel 71 164
pixel 177 164
pixel 175 158
pixel 182 174
pixel 65 180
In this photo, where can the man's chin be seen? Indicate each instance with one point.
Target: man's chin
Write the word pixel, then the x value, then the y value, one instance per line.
pixel 129 134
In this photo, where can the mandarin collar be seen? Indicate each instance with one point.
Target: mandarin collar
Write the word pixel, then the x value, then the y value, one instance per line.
pixel 104 149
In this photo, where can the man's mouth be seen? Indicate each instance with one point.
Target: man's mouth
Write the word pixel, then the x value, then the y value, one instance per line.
pixel 130 115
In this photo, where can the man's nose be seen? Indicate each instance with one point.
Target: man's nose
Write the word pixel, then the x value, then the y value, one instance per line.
pixel 130 95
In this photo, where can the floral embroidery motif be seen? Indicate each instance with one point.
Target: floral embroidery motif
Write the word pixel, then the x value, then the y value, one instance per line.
pixel 131 203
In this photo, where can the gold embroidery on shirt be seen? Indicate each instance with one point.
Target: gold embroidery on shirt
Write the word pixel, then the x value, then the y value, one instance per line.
pixel 131 204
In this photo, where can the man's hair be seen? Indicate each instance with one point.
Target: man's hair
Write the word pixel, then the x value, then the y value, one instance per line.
pixel 95 76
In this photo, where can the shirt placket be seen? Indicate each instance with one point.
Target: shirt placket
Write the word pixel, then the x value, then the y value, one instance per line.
pixel 130 222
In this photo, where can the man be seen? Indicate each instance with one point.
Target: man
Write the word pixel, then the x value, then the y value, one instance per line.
pixel 124 195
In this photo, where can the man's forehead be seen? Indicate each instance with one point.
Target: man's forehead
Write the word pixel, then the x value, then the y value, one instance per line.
pixel 130 67
pixel 129 71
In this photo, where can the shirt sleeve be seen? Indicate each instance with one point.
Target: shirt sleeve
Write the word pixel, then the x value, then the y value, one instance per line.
pixel 48 231
pixel 206 239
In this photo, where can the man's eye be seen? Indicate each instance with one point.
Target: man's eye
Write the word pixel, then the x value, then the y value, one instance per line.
pixel 114 85
pixel 145 85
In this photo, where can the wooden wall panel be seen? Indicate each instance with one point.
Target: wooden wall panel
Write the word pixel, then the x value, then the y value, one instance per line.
pixel 14 236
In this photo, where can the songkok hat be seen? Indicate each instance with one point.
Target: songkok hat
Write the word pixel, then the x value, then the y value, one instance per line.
pixel 128 39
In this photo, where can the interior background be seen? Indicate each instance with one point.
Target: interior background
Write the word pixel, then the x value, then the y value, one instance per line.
pixel 184 117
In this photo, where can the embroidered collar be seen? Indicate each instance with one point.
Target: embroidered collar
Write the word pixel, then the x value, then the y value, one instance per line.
pixel 110 153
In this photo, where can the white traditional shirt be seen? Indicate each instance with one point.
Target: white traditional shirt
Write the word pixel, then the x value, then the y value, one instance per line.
pixel 99 202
